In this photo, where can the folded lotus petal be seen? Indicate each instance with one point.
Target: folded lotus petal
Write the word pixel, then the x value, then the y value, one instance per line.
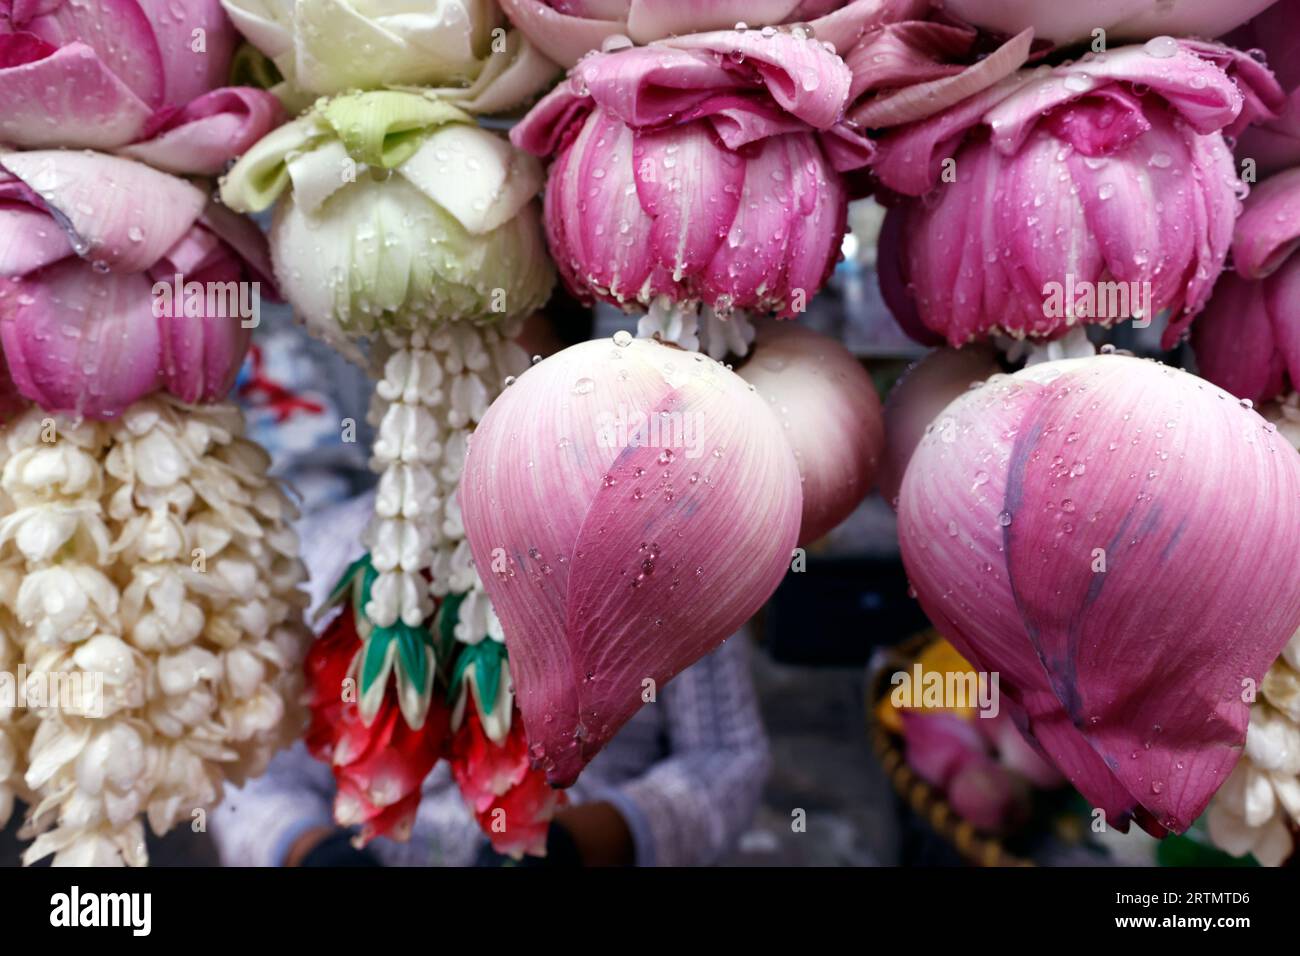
pixel 828 407
pixel 1017 752
pixel 263 173
pixel 914 405
pixel 120 33
pixel 67 329
pixel 201 354
pixel 96 199
pixel 1234 341
pixel 844 27
pixel 242 237
pixel 987 796
pixel 52 96
pixel 29 240
pixel 1142 658
pixel 640 462
pixel 1268 231
pixel 562 37
pixel 209 132
pixel 901 73
pixel 1065 23
pixel 508 78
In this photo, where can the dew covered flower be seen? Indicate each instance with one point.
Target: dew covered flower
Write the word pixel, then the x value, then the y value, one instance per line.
pixel 1248 339
pixel 152 558
pixel 703 171
pixel 118 281
pixel 396 211
pixel 140 78
pixel 327 47
pixel 566 30
pixel 1076 534
pixel 1094 192
pixel 628 506
pixel 1274 36
pixel 1067 23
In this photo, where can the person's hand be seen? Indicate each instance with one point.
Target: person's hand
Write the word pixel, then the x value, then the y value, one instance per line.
pixel 327 846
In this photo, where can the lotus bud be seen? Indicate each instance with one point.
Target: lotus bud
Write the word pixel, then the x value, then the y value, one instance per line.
pixel 117 281
pixel 990 797
pixel 1274 143
pixel 1248 340
pixel 566 30
pixel 180 675
pixel 914 404
pixel 1073 153
pixel 326 47
pixel 698 178
pixel 1077 536
pixel 830 413
pixel 628 506
pixel 143 79
pixel 1064 23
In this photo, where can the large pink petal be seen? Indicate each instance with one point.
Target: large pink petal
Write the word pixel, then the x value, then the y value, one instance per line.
pixel 561 37
pixel 1146 657
pixel 1268 231
pixel 80 341
pixel 116 212
pixel 1234 342
pixel 64 97
pixel 29 239
pixel 201 354
pixel 189 73
pixel 120 34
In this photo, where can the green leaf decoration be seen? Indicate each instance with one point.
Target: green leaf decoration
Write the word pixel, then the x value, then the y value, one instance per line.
pixel 346 580
pixel 375 659
pixel 486 657
pixel 413 645
pixel 448 615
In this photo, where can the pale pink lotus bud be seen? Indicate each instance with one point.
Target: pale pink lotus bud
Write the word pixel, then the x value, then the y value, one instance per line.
pixel 830 413
pixel 117 280
pixel 629 505
pixel 913 406
pixel 1065 23
pixel 989 796
pixel 140 77
pixel 565 30
pixel 1091 193
pixel 1086 537
pixel 704 169
pixel 1248 339
pixel 1274 36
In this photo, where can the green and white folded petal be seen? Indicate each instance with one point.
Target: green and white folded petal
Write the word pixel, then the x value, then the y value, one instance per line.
pixel 483 673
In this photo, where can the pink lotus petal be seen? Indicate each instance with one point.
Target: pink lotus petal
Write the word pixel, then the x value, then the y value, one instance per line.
pixel 561 37
pixel 29 240
pixel 1142 661
pixel 986 795
pixel 939 745
pixel 843 28
pixel 914 406
pixel 1268 231
pixel 68 329
pixel 828 407
pixel 1234 341
pixel 121 35
pixel 201 354
pixel 190 72
pixel 64 97
pixel 210 132
pixel 605 560
pixel 115 211
pixel 910 84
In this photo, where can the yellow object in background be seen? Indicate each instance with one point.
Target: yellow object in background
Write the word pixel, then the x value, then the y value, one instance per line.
pixel 938 656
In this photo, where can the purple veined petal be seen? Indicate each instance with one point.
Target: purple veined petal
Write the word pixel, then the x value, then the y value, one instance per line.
pixel 690 187
pixel 597 545
pixel 115 211
pixel 29 239
pixel 1234 342
pixel 121 35
pixel 81 341
pixel 200 355
pixel 66 96
pixel 188 72
pixel 1268 231
pixel 209 132
pixel 563 38
pixel 1145 657
pixel 913 85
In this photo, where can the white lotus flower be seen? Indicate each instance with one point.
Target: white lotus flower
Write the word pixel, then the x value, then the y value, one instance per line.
pixel 174 592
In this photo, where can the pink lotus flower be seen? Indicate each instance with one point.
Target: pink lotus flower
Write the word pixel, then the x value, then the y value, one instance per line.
pixel 916 401
pixel 704 169
pixel 1248 340
pixel 1274 144
pixel 130 76
pixel 1093 192
pixel 565 30
pixel 828 407
pixel 1085 537
pixel 1065 23
pixel 628 506
pixel 88 245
